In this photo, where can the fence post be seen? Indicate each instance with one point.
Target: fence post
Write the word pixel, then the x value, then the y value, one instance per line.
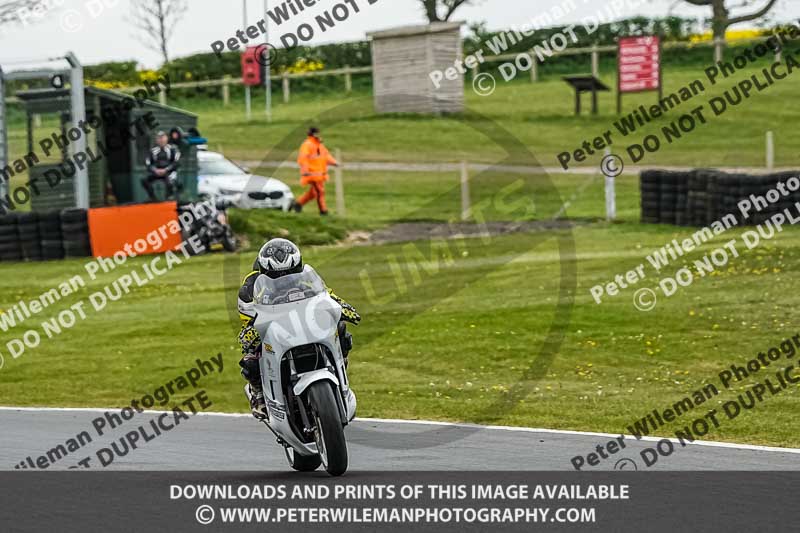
pixel 778 54
pixel 611 196
pixel 348 80
pixel 162 97
pixel 286 89
pixel 595 61
pixel 718 44
pixel 534 69
pixel 226 90
pixel 465 201
pixel 339 180
pixel 770 151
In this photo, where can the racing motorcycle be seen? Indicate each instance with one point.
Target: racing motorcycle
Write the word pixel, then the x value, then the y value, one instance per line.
pixel 303 372
pixel 212 227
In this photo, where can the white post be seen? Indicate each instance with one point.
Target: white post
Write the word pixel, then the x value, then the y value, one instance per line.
pixel 465 201
pixel 718 42
pixel 247 101
pixel 77 116
pixel 611 197
pixel 348 80
pixel 4 187
pixel 287 91
pixel 267 69
pixel 770 151
pixel 226 91
pixel 595 61
pixel 339 180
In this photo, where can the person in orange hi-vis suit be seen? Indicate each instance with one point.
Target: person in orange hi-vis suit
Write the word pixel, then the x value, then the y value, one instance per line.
pixel 314 159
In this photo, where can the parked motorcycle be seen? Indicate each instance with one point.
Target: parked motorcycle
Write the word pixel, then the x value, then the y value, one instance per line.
pixel 308 395
pixel 212 227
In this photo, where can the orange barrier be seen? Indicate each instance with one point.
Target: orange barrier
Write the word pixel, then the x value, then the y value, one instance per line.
pixel 111 228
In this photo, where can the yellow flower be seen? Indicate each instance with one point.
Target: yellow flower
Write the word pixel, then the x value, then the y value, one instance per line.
pixel 105 84
pixel 148 75
pixel 304 65
pixel 730 35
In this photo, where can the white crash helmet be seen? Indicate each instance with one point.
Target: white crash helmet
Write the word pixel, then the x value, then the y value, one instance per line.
pixel 279 257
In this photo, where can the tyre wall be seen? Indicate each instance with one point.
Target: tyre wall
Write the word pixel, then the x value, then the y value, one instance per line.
pixel 699 197
pixel 44 235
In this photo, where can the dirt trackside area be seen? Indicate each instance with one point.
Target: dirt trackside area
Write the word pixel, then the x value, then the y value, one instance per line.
pixel 414 231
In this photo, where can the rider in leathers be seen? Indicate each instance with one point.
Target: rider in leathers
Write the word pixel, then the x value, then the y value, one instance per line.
pixel 278 257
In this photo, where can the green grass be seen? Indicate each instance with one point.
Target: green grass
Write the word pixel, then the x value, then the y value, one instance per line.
pixel 376 199
pixel 457 343
pixel 253 226
pixel 540 115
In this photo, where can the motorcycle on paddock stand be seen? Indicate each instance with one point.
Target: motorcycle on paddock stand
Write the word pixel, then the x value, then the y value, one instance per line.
pixel 303 373
pixel 210 224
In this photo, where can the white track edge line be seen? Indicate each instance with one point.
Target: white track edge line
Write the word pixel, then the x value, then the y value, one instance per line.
pixel 717 444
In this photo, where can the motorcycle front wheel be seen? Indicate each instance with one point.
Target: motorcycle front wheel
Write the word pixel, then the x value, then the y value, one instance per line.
pixel 302 463
pixel 329 432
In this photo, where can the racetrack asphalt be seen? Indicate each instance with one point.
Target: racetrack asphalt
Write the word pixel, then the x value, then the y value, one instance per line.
pixel 239 442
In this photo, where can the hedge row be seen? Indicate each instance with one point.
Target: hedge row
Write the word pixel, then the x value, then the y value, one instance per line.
pixel 41 236
pixel 209 66
pixel 699 197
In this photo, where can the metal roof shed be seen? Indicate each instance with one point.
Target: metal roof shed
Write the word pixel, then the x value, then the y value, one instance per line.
pixel 117 160
pixel 402 62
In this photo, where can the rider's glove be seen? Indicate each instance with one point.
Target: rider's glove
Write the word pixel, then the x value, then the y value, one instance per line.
pixel 250 340
pixel 349 313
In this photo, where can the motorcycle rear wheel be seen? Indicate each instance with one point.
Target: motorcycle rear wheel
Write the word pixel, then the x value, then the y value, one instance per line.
pixel 229 241
pixel 329 433
pixel 302 463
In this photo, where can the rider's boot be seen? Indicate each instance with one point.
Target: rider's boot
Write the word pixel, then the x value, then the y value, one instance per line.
pixel 254 390
pixel 257 404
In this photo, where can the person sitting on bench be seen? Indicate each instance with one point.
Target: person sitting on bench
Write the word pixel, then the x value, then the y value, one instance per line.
pixel 162 164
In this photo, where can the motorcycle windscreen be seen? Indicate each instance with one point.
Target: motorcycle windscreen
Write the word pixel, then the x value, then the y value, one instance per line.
pixel 288 289
pixel 297 309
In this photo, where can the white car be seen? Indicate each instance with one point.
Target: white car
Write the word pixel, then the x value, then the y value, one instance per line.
pixel 219 177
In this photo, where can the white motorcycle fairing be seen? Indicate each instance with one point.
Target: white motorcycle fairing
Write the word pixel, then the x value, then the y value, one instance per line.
pixel 301 346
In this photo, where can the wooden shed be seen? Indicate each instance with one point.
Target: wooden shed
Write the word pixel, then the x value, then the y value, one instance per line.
pixel 117 162
pixel 402 62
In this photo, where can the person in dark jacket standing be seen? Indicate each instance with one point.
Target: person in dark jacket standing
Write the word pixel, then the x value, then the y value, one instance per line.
pixel 162 164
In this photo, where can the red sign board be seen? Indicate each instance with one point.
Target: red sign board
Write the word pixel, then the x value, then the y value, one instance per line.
pixel 639 64
pixel 251 66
